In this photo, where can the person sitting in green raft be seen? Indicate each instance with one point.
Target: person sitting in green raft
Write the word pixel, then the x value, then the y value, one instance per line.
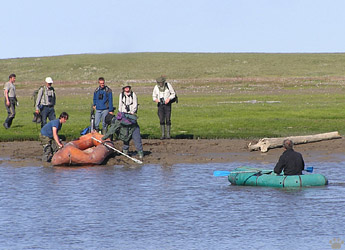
pixel 125 127
pixel 291 162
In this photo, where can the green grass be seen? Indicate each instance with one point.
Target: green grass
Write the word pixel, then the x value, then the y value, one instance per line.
pixel 120 67
pixel 204 117
pixel 309 89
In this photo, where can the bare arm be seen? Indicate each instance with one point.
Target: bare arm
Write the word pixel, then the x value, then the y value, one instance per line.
pixel 56 137
pixel 6 96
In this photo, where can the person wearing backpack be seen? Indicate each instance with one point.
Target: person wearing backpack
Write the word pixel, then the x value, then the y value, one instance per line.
pixel 102 103
pixel 45 102
pixel 164 94
pixel 10 100
pixel 128 101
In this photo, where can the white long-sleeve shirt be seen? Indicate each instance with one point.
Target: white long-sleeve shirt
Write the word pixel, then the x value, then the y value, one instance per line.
pixel 168 92
pixel 131 101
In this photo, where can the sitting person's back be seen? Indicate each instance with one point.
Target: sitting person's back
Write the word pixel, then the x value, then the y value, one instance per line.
pixel 291 162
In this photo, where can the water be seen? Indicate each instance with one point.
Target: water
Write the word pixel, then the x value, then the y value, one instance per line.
pixel 154 207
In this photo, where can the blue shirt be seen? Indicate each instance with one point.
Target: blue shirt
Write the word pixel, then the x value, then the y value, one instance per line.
pixel 103 99
pixel 47 129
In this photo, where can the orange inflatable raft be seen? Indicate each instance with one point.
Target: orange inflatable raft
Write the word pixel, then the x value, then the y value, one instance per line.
pixel 83 151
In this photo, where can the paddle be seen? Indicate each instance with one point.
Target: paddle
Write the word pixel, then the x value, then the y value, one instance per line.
pixel 133 159
pixel 226 173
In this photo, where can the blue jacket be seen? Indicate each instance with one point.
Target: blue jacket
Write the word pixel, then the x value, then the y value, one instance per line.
pixel 103 99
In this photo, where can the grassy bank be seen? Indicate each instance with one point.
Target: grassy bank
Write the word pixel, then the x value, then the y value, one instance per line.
pixel 221 95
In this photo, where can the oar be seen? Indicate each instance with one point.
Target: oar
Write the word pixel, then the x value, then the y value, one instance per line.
pixel 226 173
pixel 133 159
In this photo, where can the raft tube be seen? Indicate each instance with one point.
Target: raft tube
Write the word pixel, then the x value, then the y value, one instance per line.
pixel 83 151
pixel 246 176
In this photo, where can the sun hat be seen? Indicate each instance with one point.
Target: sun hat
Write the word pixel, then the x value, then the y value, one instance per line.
pixel 49 80
pixel 161 79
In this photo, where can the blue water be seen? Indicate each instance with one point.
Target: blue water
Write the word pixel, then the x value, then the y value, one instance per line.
pixel 154 207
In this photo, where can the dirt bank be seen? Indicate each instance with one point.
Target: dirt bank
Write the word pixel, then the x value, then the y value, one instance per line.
pixel 174 151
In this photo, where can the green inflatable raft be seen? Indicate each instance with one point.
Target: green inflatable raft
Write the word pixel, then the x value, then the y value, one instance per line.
pixel 247 176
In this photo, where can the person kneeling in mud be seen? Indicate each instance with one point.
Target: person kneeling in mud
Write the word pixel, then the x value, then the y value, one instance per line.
pixel 49 137
pixel 125 127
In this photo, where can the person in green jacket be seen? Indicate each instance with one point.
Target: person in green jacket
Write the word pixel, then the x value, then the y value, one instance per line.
pixel 125 127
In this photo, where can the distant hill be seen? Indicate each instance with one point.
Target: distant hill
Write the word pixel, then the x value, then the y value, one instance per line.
pixel 145 66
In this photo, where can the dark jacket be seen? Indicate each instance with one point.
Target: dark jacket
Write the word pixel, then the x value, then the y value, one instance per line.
pixel 290 162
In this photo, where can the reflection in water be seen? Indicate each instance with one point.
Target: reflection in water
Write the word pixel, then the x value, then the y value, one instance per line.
pixel 154 207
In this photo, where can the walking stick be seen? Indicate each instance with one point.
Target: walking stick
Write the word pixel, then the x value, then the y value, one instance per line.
pixel 133 159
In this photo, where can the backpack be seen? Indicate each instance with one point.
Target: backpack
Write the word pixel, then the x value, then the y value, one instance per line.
pixel 175 99
pixel 34 95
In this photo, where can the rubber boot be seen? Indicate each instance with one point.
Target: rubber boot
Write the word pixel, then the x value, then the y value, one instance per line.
pixel 140 154
pixel 6 125
pixel 168 131
pixel 9 122
pixel 104 130
pixel 163 132
pixel 47 153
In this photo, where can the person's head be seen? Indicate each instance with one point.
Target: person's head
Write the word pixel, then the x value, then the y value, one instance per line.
pixel 288 144
pixel 49 81
pixel 101 82
pixel 126 88
pixel 63 117
pixel 161 80
pixel 12 78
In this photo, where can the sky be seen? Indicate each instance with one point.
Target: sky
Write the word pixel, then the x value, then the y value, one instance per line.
pixel 58 27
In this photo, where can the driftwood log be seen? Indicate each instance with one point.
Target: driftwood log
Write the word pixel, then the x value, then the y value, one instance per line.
pixel 267 143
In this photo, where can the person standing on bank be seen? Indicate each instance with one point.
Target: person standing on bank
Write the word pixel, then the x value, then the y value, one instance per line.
pixel 291 162
pixel 128 105
pixel 163 92
pixel 10 100
pixel 50 138
pixel 102 103
pixel 45 102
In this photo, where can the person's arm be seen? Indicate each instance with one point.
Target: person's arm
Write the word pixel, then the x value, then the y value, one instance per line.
pixel 120 103
pixel 155 94
pixel 6 97
pixel 56 137
pixel 112 130
pixel 172 93
pixel 134 106
pixel 302 163
pixel 279 166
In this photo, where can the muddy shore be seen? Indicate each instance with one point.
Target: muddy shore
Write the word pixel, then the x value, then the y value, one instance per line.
pixel 178 151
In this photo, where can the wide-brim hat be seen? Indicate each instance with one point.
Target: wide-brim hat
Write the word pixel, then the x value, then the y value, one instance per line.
pixel 161 79
pixel 125 85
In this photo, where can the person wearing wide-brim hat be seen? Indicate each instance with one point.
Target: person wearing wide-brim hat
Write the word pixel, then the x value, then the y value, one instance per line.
pixel 163 93
pixel 45 102
pixel 128 101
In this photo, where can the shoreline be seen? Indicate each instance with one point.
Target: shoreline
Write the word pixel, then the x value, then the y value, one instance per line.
pixel 186 151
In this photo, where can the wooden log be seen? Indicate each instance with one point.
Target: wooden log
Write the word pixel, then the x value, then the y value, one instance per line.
pixel 267 143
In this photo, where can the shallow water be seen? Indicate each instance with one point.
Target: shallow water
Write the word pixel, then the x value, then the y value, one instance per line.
pixel 155 207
